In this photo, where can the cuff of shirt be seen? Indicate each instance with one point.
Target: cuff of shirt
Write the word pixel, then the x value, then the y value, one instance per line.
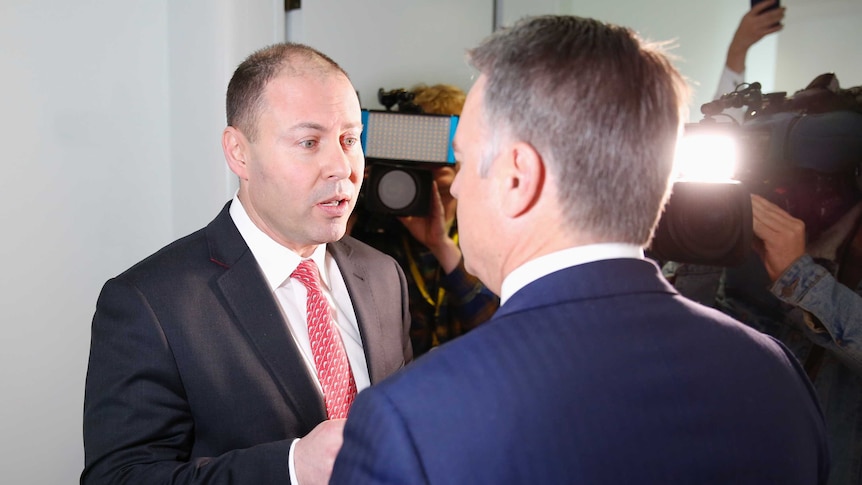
pixel 737 77
pixel 797 279
pixel 290 465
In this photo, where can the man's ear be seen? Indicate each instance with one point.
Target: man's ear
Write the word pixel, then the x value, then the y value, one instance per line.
pixel 524 180
pixel 235 147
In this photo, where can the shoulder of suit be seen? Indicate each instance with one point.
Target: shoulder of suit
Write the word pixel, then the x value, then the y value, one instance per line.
pixel 351 246
pixel 176 254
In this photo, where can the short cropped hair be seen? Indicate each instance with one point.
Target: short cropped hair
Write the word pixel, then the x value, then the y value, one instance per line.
pixel 244 99
pixel 439 99
pixel 602 107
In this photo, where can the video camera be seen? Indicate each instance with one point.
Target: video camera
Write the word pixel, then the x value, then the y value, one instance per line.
pixel 803 153
pixel 401 98
pixel 401 149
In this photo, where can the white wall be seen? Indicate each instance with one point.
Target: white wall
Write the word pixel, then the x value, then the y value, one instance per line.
pixel 112 113
pixel 819 36
pixel 508 11
pixel 206 41
pixel 86 191
pixel 432 37
pixel 699 33
pixel 394 43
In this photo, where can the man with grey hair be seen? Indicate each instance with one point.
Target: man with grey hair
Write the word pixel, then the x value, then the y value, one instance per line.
pixel 593 370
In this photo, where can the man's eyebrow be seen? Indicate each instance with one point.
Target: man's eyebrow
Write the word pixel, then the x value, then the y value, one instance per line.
pixel 310 125
pixel 306 125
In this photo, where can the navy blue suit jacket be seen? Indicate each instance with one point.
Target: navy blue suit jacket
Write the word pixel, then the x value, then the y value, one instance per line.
pixel 597 374
pixel 194 376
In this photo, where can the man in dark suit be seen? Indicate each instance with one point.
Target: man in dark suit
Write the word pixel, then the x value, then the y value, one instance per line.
pixel 202 368
pixel 594 370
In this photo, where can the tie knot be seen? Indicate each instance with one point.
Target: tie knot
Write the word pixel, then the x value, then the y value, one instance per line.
pixel 307 274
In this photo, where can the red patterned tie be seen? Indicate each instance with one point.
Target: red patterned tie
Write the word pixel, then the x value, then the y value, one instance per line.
pixel 330 358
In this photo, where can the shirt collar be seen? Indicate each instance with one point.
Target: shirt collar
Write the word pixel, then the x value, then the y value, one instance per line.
pixel 276 261
pixel 549 263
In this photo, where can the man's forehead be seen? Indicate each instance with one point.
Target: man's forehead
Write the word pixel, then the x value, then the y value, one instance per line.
pixel 329 89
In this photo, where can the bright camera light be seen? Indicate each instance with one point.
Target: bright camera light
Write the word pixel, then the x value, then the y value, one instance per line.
pixel 706 157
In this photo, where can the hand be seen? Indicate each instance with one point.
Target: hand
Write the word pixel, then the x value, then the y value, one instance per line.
pixel 430 230
pixel 755 25
pixel 781 236
pixel 433 231
pixel 314 454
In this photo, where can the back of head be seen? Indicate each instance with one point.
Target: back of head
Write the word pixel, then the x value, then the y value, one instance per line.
pixel 439 99
pixel 601 106
pixel 244 100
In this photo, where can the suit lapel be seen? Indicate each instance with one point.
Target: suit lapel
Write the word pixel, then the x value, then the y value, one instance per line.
pixel 256 312
pixel 359 287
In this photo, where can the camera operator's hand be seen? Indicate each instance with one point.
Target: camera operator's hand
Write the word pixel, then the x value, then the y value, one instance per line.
pixel 781 237
pixel 433 231
pixel 755 25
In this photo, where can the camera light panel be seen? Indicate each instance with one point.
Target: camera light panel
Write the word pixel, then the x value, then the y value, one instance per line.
pixel 706 157
pixel 408 136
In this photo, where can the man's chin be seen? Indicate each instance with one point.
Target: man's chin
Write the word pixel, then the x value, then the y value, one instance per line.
pixel 335 232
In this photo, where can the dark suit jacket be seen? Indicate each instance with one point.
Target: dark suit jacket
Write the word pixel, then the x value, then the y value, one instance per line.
pixel 193 374
pixel 596 374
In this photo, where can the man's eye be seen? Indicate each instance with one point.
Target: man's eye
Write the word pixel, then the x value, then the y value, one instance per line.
pixel 308 143
pixel 350 141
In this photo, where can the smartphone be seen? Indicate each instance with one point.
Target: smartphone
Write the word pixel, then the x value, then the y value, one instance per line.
pixel 773 7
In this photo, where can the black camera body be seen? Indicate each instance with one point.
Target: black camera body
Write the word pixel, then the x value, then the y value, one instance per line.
pixel 807 161
pixel 398 189
pixel 400 98
pixel 705 223
pixel 401 150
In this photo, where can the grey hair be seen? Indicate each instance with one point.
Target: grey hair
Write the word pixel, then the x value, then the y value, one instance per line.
pixel 601 106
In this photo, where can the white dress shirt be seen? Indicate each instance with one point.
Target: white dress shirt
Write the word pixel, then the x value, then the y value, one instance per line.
pixel 727 83
pixel 277 263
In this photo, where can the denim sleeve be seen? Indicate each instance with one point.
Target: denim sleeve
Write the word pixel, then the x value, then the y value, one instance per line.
pixel 696 282
pixel 831 311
